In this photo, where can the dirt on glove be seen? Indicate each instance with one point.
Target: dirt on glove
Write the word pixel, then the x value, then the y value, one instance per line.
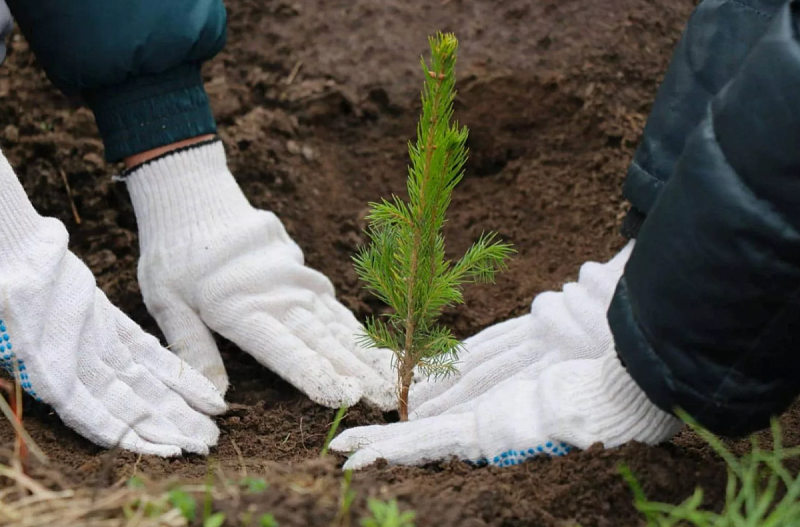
pixel 316 100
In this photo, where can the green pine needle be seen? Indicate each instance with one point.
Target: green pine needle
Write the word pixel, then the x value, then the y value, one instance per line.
pixel 405 264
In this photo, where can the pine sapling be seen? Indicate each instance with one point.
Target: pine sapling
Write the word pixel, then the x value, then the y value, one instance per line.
pixel 404 264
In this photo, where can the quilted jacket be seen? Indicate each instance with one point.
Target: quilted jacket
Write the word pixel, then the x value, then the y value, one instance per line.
pixel 707 314
pixel 135 63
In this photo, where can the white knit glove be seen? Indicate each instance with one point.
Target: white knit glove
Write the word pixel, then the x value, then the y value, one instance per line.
pixel 212 262
pixel 574 403
pixel 68 346
pixel 565 325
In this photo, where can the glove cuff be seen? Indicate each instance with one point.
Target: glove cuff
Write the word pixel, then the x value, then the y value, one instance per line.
pixel 19 222
pixel 574 403
pixel 185 193
pixel 589 401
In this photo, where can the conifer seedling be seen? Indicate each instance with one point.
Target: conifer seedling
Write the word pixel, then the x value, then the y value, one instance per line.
pixel 404 264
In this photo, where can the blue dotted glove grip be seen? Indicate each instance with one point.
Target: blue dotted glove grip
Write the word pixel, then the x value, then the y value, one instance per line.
pixel 8 358
pixel 516 457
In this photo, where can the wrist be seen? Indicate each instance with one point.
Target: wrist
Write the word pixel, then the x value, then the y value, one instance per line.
pixel 135 160
pixel 152 111
pixel 184 194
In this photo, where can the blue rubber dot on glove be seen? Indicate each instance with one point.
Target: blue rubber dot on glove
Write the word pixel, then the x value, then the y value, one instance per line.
pixel 7 361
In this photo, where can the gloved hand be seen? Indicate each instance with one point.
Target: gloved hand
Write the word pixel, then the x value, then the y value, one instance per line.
pixel 565 325
pixel 573 403
pixel 69 347
pixel 212 262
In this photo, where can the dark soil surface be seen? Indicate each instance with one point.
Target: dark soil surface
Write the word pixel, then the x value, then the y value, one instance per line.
pixel 316 100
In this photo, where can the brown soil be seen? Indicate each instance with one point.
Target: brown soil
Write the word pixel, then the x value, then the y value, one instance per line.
pixel 316 100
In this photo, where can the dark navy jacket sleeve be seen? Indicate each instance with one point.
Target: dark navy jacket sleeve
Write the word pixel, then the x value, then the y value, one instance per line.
pixel 718 37
pixel 135 63
pixel 707 314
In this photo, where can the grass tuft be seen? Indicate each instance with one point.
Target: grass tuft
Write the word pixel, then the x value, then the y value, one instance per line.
pixel 756 480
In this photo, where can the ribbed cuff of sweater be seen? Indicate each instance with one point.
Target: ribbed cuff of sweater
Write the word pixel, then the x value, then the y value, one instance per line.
pixel 148 112
pixel 589 401
pixel 573 403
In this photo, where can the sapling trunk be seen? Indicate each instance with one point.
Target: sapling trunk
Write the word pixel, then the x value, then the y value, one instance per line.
pixel 405 265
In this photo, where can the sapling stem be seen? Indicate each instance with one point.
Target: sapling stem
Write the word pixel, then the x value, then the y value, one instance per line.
pixel 404 264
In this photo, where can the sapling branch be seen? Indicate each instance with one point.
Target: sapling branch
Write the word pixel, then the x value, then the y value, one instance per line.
pixel 404 264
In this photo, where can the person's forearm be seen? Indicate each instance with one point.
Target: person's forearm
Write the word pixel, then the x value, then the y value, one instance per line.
pixel 705 316
pixel 699 68
pixel 144 85
pixel 143 157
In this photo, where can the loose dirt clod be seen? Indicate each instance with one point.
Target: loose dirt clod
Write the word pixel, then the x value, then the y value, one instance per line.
pixel 555 94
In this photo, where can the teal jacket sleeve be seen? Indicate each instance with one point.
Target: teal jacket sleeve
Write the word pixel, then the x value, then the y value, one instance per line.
pixel 135 63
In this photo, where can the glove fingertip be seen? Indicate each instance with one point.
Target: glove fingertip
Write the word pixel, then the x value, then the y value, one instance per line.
pixel 351 440
pixel 212 433
pixel 204 394
pixel 221 386
pixel 217 406
pixel 214 402
pixel 150 449
pixel 211 403
pixel 169 452
pixel 201 451
pixel 347 393
pixel 340 444
pixel 361 459
pixel 357 438
pixel 382 397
